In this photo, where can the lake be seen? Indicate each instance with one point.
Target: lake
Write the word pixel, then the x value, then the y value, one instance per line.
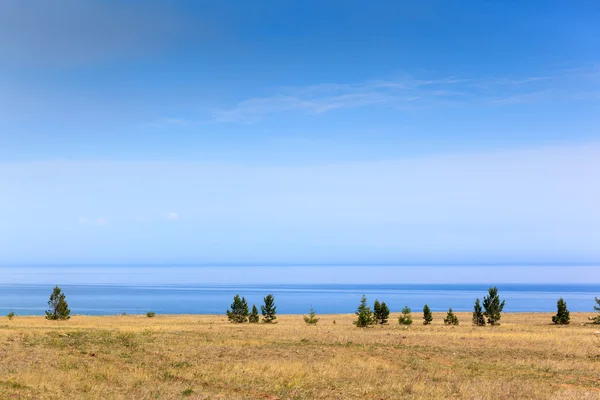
pixel 111 299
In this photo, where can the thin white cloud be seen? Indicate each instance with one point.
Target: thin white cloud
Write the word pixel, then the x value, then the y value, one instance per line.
pixel 99 221
pixel 172 216
pixel 408 93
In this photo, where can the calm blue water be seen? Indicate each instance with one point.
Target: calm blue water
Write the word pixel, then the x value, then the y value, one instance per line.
pixel 27 299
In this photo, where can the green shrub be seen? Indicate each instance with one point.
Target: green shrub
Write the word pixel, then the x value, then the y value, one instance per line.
pixel 150 314
pixel 269 309
pixel 312 317
pixel 596 319
pixel 364 314
pixel 427 316
pixel 239 310
pixel 11 315
pixel 478 318
pixel 451 318
pixel 253 318
pixel 381 312
pixel 405 318
pixel 562 316
pixel 59 309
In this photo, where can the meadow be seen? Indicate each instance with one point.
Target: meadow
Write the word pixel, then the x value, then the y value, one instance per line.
pixel 206 357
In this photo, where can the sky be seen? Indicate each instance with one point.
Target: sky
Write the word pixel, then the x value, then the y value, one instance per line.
pixel 300 133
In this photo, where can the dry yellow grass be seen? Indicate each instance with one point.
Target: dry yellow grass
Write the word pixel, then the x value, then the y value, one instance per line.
pixel 201 357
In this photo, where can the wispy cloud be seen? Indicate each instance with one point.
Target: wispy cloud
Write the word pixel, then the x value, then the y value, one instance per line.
pixel 320 98
pixel 99 221
pixel 172 216
pixel 411 93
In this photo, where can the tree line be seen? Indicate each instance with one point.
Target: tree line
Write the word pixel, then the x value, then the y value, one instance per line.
pixel 487 312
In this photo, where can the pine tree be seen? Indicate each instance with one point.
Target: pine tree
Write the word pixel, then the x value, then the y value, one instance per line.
pixel 562 315
pixel 493 306
pixel 269 309
pixel 364 314
pixel 376 310
pixel 239 310
pixel 427 316
pixel 405 318
pixel 478 318
pixel 451 318
pixel 312 317
pixel 59 309
pixel 253 318
pixel 381 312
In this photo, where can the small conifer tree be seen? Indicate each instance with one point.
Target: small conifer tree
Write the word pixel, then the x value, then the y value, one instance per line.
pixel 405 318
pixel 269 309
pixel 58 307
pixel 562 316
pixel 451 318
pixel 312 317
pixel 239 310
pixel 364 314
pixel 381 312
pixel 253 318
pixel 493 306
pixel 427 316
pixel 478 318
pixel 596 319
pixel 376 310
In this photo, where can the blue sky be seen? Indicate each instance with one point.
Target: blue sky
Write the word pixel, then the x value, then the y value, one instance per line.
pixel 335 132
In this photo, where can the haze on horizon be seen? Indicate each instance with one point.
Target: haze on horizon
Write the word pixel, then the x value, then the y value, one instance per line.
pixel 296 133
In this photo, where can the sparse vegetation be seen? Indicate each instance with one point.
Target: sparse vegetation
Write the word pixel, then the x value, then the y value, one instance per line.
pixel 269 309
pixel 11 315
pixel 364 314
pixel 150 314
pixel 58 307
pixel 493 306
pixel 134 357
pixel 312 317
pixel 238 313
pixel 451 318
pixel 596 319
pixel 478 317
pixel 427 316
pixel 254 318
pixel 381 312
pixel 562 316
pixel 405 318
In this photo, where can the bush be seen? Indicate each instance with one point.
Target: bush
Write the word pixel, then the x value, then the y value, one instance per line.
pixel 312 317
pixel 364 314
pixel 493 306
pixel 427 316
pixel 405 318
pixel 478 318
pixel 596 319
pixel 451 318
pixel 381 312
pixel 239 310
pixel 269 309
pixel 253 318
pixel 59 309
pixel 562 316
pixel 150 314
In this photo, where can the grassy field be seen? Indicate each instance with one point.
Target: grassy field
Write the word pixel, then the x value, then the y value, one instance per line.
pixel 205 357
